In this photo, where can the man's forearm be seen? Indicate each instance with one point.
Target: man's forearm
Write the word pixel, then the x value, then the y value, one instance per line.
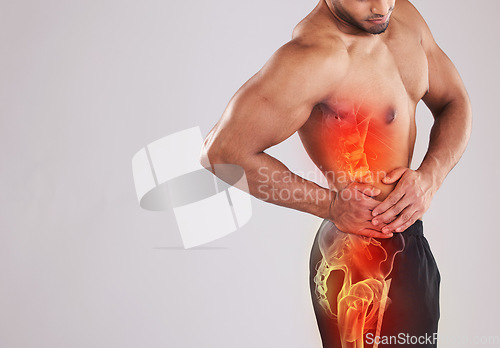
pixel 448 140
pixel 271 181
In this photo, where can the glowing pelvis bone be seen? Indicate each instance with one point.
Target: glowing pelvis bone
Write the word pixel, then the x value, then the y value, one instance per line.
pixel 363 298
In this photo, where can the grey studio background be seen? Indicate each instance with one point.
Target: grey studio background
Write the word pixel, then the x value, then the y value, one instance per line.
pixel 85 84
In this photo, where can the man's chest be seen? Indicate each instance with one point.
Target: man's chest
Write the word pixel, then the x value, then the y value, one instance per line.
pixel 392 72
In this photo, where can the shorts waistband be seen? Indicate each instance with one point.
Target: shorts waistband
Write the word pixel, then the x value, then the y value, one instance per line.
pixel 417 229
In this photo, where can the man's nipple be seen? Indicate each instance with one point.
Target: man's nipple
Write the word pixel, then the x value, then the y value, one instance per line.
pixel 390 116
pixel 329 113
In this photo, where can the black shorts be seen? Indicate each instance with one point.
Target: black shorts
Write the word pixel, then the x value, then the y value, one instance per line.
pixel 390 295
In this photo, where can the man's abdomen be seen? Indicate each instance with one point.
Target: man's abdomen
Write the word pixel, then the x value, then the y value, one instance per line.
pixel 359 144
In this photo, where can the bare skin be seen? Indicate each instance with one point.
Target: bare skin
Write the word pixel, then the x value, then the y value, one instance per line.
pixel 351 64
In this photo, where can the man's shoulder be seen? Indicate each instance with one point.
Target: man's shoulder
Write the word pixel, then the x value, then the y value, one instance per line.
pixel 407 14
pixel 316 33
pixel 312 44
pixel 312 68
pixel 316 49
pixel 311 54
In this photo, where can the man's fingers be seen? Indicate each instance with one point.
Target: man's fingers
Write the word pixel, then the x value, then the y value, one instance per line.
pixel 388 202
pixel 370 204
pixel 390 214
pixel 405 217
pixel 389 221
pixel 381 224
pixel 378 228
pixel 408 223
pixel 394 175
pixel 372 233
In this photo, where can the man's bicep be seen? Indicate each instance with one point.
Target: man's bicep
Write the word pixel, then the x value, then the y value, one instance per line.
pixel 445 84
pixel 259 120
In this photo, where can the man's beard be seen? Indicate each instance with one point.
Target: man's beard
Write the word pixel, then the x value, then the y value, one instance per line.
pixel 378 29
pixel 346 17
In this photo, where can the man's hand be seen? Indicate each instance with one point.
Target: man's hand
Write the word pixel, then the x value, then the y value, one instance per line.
pixel 352 208
pixel 408 202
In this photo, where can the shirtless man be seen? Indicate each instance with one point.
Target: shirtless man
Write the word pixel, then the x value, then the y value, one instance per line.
pixel 349 82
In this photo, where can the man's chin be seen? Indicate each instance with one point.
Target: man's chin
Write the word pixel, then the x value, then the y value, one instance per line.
pixel 378 29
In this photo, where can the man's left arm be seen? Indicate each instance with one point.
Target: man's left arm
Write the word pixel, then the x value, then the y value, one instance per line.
pixel 449 103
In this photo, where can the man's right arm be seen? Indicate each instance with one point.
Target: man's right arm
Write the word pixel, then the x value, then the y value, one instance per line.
pixel 268 109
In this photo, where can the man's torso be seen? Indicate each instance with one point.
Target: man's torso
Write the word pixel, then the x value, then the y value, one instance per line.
pixel 366 126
